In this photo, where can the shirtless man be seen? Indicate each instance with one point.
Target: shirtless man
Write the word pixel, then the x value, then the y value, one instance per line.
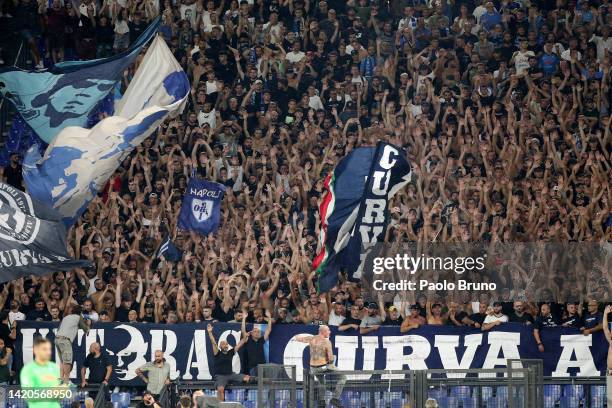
pixel 606 329
pixel 322 362
pixel 413 321
pixel 434 314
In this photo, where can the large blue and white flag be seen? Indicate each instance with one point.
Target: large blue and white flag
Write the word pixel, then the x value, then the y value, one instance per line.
pixel 77 164
pixel 201 207
pixel 65 95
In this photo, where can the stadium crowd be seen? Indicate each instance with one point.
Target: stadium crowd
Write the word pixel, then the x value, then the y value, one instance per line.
pixel 503 108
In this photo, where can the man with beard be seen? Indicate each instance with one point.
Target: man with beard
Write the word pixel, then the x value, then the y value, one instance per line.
pixel 158 373
pixel 224 373
pixel 322 363
pixel 100 368
pixel 255 344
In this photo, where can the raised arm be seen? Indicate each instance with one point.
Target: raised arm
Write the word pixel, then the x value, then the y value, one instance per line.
pixel 209 328
pixel 606 326
pixel 304 338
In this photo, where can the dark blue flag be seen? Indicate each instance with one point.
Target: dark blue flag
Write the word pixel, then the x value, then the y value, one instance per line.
pixel 364 221
pixel 32 237
pixel 169 251
pixel 201 208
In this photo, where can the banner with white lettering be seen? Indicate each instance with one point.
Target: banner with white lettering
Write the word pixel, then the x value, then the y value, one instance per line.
pixel 188 351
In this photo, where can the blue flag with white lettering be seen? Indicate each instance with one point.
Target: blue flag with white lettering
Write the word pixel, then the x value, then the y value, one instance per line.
pixel 354 210
pixel 64 95
pixel 201 208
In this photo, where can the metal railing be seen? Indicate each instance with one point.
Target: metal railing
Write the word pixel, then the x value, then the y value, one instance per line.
pixel 276 382
pixel 519 385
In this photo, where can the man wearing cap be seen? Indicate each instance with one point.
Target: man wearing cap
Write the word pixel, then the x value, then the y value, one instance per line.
pixel 147 312
pixel 392 317
pixel 371 321
pixel 413 321
pixel 495 318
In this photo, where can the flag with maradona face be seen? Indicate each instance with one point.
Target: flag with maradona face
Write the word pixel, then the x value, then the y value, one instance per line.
pixel 64 95
pixel 77 164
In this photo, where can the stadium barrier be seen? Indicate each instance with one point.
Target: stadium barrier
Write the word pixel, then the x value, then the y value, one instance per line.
pixel 520 385
pixel 276 382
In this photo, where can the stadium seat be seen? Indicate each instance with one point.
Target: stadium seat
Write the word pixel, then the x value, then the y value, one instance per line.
pixel 249 404
pixel 502 392
pixel 395 403
pixel 486 392
pixel 461 391
pixel 469 402
pixel 239 395
pixel 436 393
pixel 598 391
pixel 497 402
pixel 448 402
pixel 598 396
pixel 553 391
pixel 252 395
pixel 573 391
pixel 550 401
pixel 569 402
pixel 121 399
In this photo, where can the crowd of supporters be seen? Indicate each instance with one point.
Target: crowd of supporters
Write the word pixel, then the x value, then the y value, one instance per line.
pixel 503 108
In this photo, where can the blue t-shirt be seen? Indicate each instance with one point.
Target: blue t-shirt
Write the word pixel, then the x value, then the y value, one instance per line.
pixel 592 320
pixel 489 20
pixel 549 63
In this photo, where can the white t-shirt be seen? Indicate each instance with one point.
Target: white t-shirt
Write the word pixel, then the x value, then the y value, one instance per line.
pixel 602 46
pixel 334 319
pixel 492 318
pixel 275 32
pixel 121 27
pixel 566 55
pixel 14 316
pixel 478 12
pixel 521 60
pixel 191 10
pixel 294 57
pixel 315 102
pixel 209 118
